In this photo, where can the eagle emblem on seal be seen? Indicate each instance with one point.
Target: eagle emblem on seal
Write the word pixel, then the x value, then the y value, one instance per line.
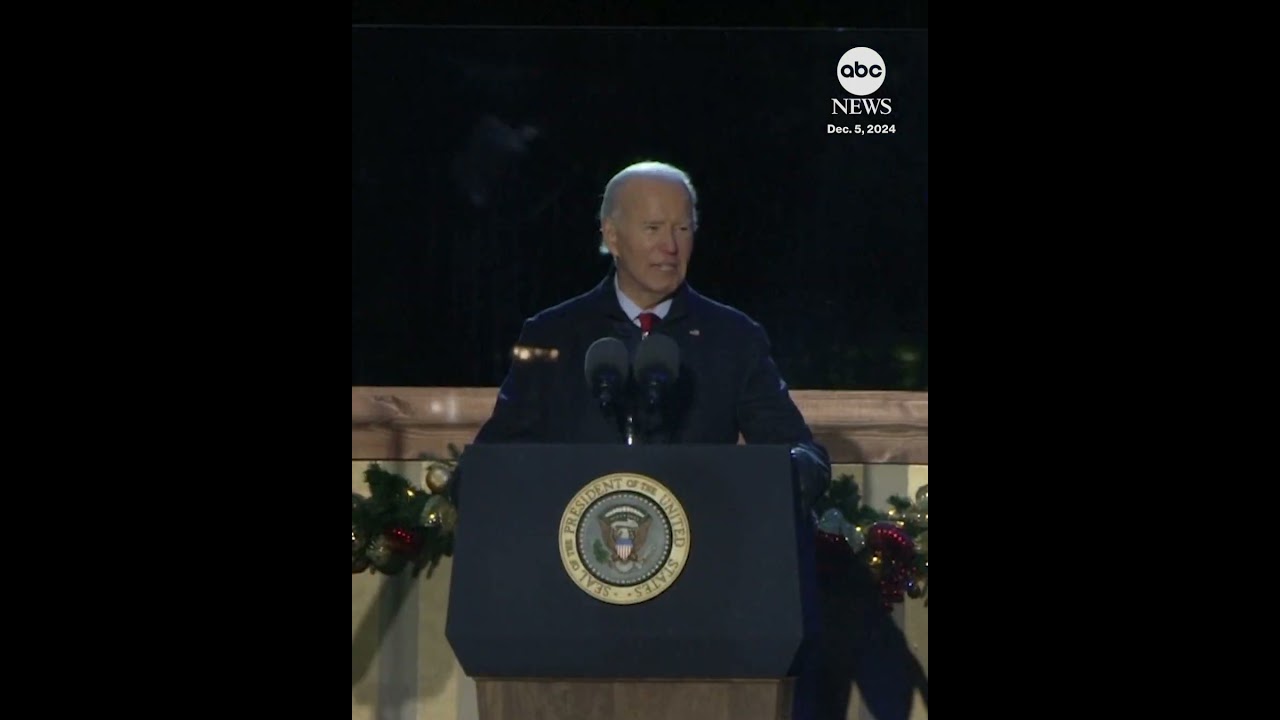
pixel 624 530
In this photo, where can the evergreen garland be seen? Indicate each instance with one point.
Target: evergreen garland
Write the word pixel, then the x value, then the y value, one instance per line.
pixel 399 526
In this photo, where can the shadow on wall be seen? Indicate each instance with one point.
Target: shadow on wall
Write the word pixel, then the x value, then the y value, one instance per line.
pixel 399 656
pixel 860 645
pixel 374 626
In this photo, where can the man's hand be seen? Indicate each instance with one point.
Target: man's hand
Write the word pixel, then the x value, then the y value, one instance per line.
pixel 813 473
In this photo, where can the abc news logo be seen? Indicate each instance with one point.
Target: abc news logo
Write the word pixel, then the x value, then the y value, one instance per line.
pixel 861 72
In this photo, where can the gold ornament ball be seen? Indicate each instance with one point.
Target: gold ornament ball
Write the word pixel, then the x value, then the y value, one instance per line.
pixel 383 557
pixel 916 587
pixel 922 542
pixel 448 517
pixel 438 477
pixel 434 511
pixel 379 551
pixel 359 564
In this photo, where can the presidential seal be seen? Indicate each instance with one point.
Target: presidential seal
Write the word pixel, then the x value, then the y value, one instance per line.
pixel 624 538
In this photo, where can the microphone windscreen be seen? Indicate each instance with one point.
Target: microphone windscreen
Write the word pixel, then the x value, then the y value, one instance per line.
pixel 607 352
pixel 658 352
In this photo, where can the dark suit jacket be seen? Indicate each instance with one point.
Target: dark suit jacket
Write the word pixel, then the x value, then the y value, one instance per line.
pixel 728 383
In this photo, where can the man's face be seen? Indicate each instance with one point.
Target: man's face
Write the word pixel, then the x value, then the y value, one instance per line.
pixel 651 235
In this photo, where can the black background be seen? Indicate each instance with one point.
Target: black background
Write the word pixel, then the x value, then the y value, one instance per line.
pixel 479 155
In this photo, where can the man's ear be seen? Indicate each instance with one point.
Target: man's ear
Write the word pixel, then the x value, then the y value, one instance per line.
pixel 609 232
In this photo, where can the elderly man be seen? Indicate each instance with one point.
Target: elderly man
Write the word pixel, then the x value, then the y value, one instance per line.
pixel 727 385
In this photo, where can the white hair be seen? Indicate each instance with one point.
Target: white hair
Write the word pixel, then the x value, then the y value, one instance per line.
pixel 650 168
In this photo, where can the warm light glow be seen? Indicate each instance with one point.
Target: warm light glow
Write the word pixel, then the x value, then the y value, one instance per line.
pixel 525 352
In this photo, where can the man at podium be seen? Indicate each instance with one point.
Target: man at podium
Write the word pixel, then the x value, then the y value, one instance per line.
pixel 644 358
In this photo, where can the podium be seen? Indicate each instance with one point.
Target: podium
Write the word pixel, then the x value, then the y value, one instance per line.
pixel 610 582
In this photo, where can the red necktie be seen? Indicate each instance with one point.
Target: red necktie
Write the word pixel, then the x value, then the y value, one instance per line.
pixel 646 322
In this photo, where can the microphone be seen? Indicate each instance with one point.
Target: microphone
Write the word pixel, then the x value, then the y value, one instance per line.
pixel 607 367
pixel 657 365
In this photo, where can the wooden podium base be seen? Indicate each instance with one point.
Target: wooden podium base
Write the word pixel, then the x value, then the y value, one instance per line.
pixel 506 699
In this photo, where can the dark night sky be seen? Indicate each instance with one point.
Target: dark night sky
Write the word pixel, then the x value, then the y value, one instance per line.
pixel 478 158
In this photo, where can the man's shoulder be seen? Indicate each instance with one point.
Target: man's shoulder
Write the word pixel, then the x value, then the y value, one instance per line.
pixel 568 311
pixel 722 314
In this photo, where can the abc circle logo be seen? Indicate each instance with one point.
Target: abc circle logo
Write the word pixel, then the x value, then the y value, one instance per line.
pixel 861 71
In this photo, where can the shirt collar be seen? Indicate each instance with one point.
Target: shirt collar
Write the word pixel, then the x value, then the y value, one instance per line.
pixel 633 310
